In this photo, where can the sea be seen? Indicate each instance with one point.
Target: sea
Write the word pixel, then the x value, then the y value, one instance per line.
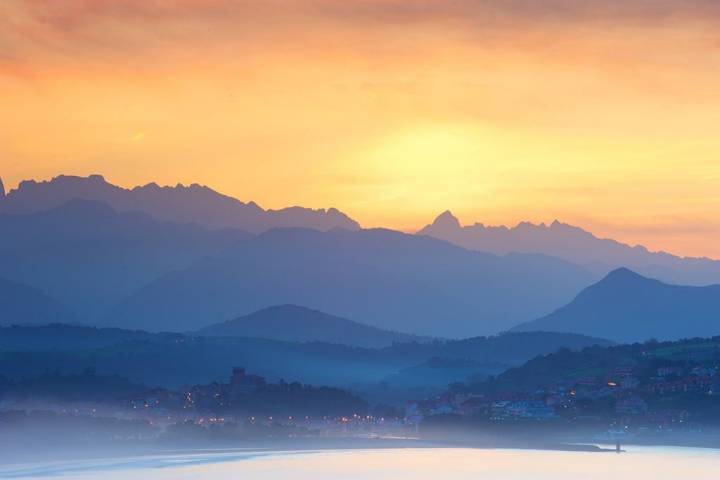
pixel 636 463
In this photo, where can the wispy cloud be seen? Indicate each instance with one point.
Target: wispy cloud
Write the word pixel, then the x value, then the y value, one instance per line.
pixel 108 22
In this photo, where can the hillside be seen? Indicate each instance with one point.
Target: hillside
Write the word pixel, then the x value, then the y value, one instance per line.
pixel 650 363
pixel 645 392
pixel 293 323
pixel 65 337
pixel 438 372
pixel 627 307
pixel 171 360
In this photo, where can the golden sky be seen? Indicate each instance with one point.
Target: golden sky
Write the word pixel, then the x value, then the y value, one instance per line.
pixel 601 113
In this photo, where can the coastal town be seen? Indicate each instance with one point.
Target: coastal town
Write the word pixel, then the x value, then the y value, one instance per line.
pixel 641 389
pixel 637 393
pixel 621 392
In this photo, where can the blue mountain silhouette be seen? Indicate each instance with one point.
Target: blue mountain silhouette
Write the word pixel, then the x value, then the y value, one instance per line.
pixel 90 257
pixel 382 278
pixel 299 324
pixel 627 307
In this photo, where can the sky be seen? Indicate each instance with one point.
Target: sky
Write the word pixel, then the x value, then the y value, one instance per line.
pixel 599 113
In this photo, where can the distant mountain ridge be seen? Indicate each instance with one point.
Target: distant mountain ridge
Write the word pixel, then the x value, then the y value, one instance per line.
pixel 24 305
pixel 388 279
pixel 89 257
pixel 627 307
pixel 293 323
pixel 575 245
pixel 178 204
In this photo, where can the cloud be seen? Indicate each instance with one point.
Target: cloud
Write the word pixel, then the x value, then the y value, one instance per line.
pixel 560 10
pixel 149 33
pixel 73 17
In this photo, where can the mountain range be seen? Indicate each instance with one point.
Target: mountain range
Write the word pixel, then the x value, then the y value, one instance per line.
pixel 294 323
pixel 382 278
pixel 574 245
pixel 89 257
pixel 131 270
pixel 172 259
pixel 627 307
pixel 178 204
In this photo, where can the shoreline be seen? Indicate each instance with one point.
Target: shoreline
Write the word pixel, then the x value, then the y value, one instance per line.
pixel 299 445
pixel 149 449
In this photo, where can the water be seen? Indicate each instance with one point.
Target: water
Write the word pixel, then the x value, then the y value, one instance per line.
pixel 639 463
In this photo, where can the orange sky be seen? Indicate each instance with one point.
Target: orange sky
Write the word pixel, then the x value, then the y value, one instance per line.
pixel 604 114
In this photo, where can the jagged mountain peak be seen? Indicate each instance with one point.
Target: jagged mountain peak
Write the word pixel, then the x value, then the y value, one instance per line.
pixel 179 204
pixel 577 245
pixel 445 225
pixel 447 219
